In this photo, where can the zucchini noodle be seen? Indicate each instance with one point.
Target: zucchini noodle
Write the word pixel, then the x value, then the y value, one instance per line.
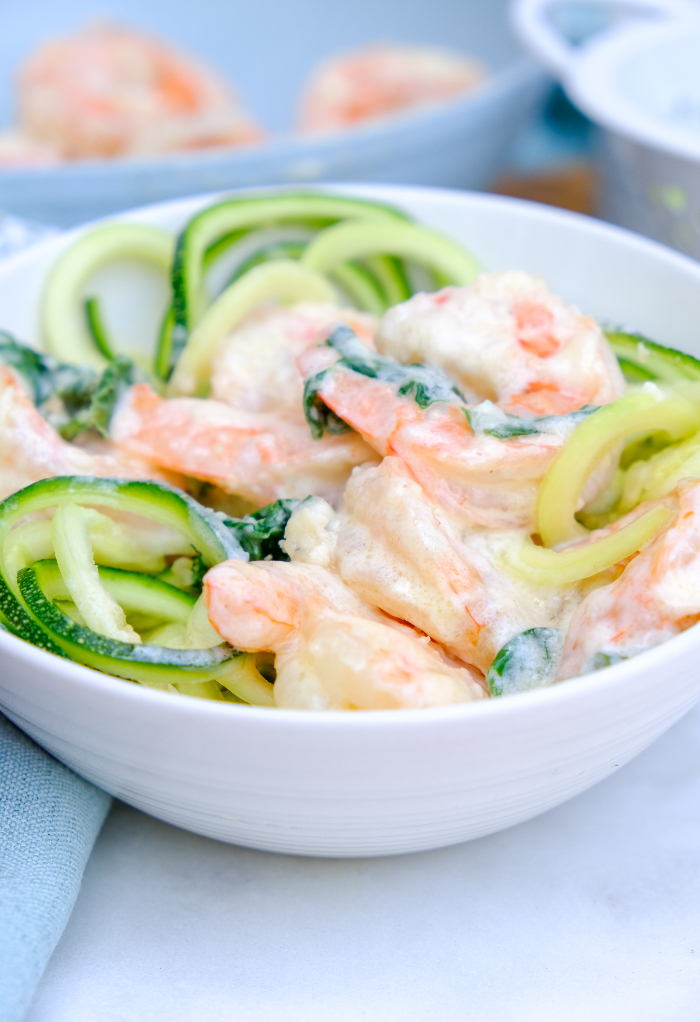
pixel 654 478
pixel 357 239
pixel 283 279
pixel 129 623
pixel 64 325
pixel 642 412
pixel 231 216
pixel 560 568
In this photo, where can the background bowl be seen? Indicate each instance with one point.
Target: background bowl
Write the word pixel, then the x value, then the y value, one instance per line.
pixel 267 49
pixel 640 82
pixel 373 783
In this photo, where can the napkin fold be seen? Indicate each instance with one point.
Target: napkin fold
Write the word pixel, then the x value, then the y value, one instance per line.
pixel 49 819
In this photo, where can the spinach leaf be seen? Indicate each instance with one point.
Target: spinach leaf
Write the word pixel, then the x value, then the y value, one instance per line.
pixel 260 533
pixel 490 419
pixel 46 377
pixel 116 378
pixel 71 398
pixel 318 415
pixel 528 660
pixel 425 384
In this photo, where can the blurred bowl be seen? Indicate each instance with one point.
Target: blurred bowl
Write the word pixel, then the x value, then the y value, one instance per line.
pixel 266 50
pixel 382 782
pixel 640 82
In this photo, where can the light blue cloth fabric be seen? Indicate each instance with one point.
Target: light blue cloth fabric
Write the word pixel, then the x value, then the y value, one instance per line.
pixel 49 819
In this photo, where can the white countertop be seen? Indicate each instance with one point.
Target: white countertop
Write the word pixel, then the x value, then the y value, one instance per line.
pixel 590 913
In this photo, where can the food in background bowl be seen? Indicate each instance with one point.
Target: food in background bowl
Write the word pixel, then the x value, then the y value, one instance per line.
pixel 381 80
pixel 112 91
pixel 462 498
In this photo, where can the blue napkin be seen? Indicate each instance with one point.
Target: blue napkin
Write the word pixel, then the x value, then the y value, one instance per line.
pixel 49 819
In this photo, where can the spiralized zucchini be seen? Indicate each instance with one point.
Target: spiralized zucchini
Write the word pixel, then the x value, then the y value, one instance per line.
pixel 55 594
pixel 357 239
pixel 642 413
pixel 347 243
pixel 641 359
pixel 223 220
pixel 561 568
pixel 282 279
pixel 69 331
pixel 659 474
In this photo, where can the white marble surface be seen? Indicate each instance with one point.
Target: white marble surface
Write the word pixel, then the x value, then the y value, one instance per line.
pixel 590 913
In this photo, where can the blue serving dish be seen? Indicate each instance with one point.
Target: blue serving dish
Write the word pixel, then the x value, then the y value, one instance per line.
pixel 266 50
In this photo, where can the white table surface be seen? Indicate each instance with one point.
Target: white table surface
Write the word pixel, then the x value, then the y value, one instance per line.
pixel 590 913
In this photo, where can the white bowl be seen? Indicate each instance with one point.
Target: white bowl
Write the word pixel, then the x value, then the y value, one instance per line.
pixel 640 82
pixel 376 783
pixel 267 49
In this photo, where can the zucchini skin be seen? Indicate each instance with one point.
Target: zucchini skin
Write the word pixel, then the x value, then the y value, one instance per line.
pixel 641 359
pixel 150 665
pixel 96 326
pixel 135 591
pixel 206 532
pixel 29 609
pixel 15 619
pixel 364 239
pixel 212 225
pixel 72 270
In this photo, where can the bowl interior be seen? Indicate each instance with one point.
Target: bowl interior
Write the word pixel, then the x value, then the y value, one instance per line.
pixel 266 49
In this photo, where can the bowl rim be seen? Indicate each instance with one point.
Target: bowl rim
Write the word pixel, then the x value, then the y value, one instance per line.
pixel 609 678
pixel 592 82
pixel 562 694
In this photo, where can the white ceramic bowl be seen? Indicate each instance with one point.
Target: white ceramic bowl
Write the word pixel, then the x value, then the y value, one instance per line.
pixel 640 82
pixel 267 49
pixel 346 784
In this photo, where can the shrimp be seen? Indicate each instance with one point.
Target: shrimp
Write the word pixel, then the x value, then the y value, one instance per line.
pixel 20 150
pixel 487 481
pixel 112 91
pixel 257 456
pixel 382 80
pixel 656 597
pixel 398 552
pixel 30 449
pixel 255 368
pixel 507 339
pixel 331 652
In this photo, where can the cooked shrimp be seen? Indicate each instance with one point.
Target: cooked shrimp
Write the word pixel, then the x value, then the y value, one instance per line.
pixel 30 449
pixel 257 456
pixel 255 368
pixel 656 596
pixel 381 80
pixel 507 339
pixel 332 652
pixel 112 91
pixel 399 553
pixel 486 480
pixel 20 150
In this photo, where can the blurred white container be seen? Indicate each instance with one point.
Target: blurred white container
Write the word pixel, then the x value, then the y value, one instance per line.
pixel 266 50
pixel 640 81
